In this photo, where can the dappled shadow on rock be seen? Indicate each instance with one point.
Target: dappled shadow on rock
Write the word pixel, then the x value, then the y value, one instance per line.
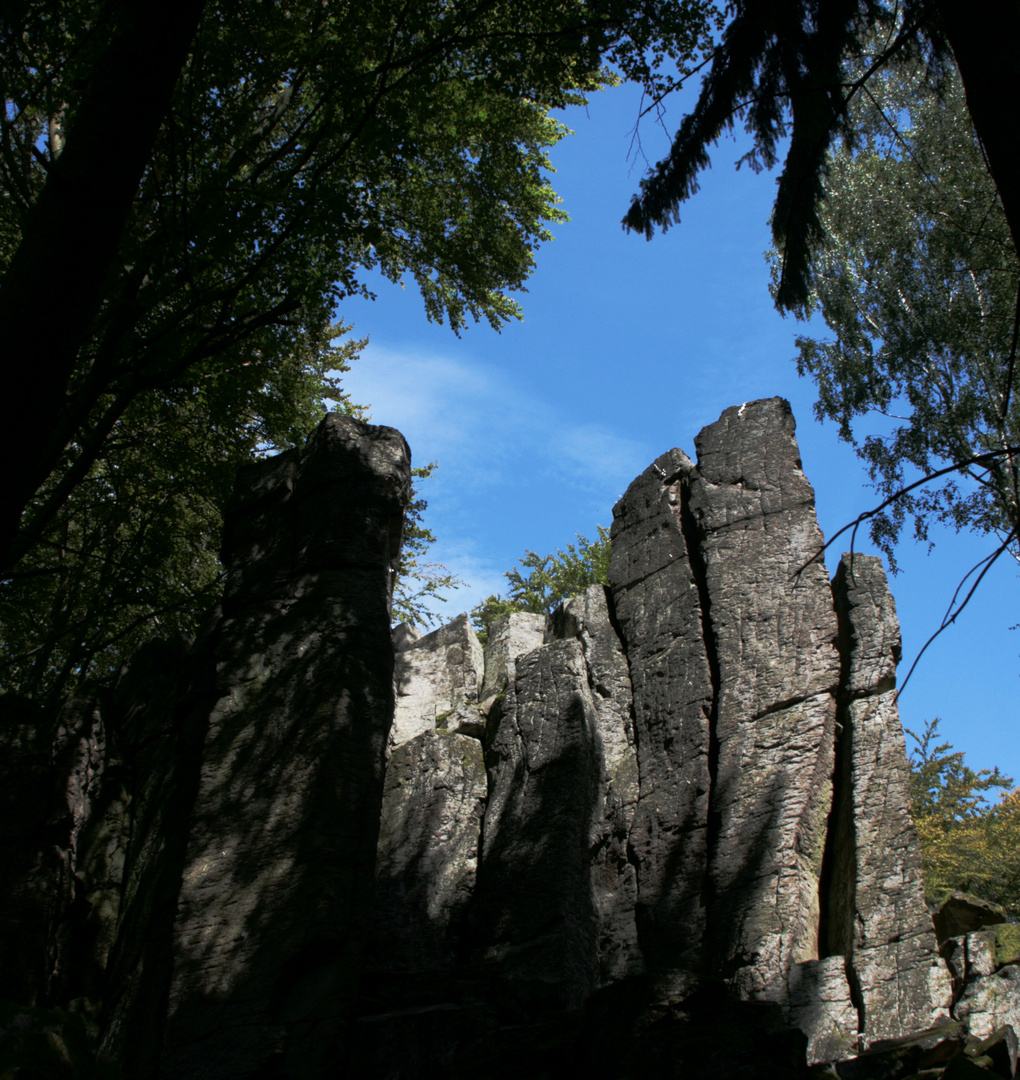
pixel 662 833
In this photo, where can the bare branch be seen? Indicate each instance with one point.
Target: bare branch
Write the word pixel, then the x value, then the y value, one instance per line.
pixel 951 615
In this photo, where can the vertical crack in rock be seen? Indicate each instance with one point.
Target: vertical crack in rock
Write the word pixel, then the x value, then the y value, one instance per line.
pixel 533 910
pixel 587 618
pixel 879 920
pixel 659 612
pixel 774 632
pixel 839 863
pixel 689 526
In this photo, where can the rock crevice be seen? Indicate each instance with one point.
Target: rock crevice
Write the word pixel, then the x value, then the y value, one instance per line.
pixel 307 845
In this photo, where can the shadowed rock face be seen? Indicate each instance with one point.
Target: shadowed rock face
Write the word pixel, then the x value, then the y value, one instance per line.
pixel 676 806
pixel 534 912
pixel 657 596
pixel 427 860
pixel 274 904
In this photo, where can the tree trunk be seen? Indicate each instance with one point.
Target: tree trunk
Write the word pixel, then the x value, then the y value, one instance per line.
pixel 54 285
pixel 984 37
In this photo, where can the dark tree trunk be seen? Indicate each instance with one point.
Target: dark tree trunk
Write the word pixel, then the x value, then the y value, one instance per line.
pixel 984 37
pixel 54 285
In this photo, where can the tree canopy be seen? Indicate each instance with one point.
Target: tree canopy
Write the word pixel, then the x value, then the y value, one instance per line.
pixel 176 237
pixel 967 842
pixel 793 68
pixel 290 149
pixel 302 145
pixel 917 281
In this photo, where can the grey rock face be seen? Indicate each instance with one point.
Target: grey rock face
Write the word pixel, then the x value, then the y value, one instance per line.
pixel 988 1003
pixel 658 609
pixel 822 1007
pixel 404 636
pixel 986 978
pixel 730 630
pixel 274 905
pixel 160 711
pixel 438 678
pixel 634 814
pixel 961 912
pixel 510 636
pixel 534 911
pixel 773 632
pixel 614 877
pixel 879 919
pixel 428 852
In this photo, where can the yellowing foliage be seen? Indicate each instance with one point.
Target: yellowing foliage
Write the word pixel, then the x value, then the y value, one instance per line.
pixel 966 842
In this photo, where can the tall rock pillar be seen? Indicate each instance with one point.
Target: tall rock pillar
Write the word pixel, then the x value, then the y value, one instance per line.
pixel 658 595
pixel 879 920
pixel 727 619
pixel 772 630
pixel 275 898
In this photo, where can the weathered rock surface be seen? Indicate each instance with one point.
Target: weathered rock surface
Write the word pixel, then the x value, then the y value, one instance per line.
pixel 438 680
pixel 427 859
pixel 981 957
pixel 658 587
pixel 989 1002
pixel 51 780
pixel 822 1007
pixel 772 629
pixel 614 877
pixel 675 810
pixel 961 912
pixel 534 912
pixel 510 636
pixel 274 905
pixel 878 917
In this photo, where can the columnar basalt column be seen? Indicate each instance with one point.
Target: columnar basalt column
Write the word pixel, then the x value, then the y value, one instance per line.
pixel 879 919
pixel 658 596
pixel 773 633
pixel 275 901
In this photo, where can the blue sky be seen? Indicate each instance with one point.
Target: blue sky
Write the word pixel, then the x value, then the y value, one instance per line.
pixel 628 348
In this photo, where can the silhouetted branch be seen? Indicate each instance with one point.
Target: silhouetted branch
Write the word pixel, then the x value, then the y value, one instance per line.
pixel 950 616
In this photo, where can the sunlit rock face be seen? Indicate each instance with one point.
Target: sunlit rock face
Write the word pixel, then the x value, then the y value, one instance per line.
pixel 438 681
pixel 675 809
pixel 697 777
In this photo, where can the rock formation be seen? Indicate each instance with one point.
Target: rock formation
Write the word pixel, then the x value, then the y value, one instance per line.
pixel 677 806
pixel 710 784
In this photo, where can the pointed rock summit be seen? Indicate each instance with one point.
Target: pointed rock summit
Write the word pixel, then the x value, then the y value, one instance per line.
pixel 662 831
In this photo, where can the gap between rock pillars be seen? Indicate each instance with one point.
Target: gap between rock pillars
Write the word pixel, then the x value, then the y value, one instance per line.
pixel 839 869
pixel 691 534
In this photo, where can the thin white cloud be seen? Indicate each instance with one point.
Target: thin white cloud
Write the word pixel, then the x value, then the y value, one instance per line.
pixel 511 461
pixel 480 422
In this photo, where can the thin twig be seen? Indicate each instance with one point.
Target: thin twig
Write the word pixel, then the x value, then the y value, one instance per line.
pixel 978 459
pixel 950 617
